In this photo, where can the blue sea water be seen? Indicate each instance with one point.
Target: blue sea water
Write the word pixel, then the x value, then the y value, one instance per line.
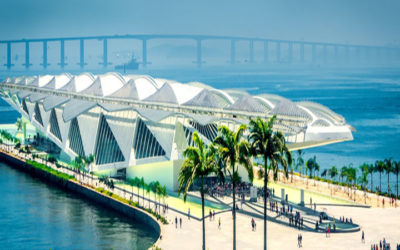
pixel 35 215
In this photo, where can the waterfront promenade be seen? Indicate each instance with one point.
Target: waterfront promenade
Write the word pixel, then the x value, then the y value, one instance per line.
pixel 377 223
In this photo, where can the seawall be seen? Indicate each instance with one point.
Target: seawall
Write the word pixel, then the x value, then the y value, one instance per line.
pixel 100 198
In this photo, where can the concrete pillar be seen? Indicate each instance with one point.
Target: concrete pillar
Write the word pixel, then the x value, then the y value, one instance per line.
pixel 251 51
pixel 290 52
pixel 302 197
pixel 302 52
pixel 336 53
pixel 82 53
pixel 45 64
pixel 27 64
pixel 388 56
pixel 314 53
pixel 325 54
pixel 233 56
pixel 9 64
pixel 144 53
pixel 105 53
pixel 199 59
pixel 358 54
pixel 278 51
pixel 62 54
pixel 265 51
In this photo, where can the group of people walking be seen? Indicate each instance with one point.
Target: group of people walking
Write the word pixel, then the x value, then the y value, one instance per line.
pixel 383 245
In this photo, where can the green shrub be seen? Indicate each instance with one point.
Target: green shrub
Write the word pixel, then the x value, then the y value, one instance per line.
pixel 50 170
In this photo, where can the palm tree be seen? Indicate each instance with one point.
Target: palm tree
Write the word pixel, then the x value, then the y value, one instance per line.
pixel 333 172
pixel 363 179
pixel 343 173
pixel 163 193
pixel 388 169
pixel 312 165
pixel 142 184
pixel 380 167
pixel 77 163
pixel 234 151
pixel 132 183
pixel 351 177
pixel 88 160
pixel 300 160
pixel 158 194
pixel 269 146
pixel 396 171
pixel 154 188
pixel 148 189
pixel 364 168
pixel 137 185
pixel 21 126
pixel 371 170
pixel 324 173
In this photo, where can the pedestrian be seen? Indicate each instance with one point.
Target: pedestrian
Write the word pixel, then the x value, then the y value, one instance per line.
pixel 210 215
pixel 329 231
pixel 298 240
pixel 213 215
pixel 252 224
pixel 383 202
pixel 362 237
pixel 176 222
pixel 219 223
pixel 180 221
pixel 189 213
pixel 301 240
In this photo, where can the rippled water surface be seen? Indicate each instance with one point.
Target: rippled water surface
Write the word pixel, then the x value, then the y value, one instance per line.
pixel 35 215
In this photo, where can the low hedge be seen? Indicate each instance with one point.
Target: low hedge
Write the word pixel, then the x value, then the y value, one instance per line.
pixel 50 170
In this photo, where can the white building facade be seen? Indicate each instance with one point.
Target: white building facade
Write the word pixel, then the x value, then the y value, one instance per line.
pixel 139 126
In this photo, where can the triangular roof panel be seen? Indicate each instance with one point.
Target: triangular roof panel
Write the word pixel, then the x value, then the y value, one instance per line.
pixel 204 99
pixel 128 91
pixel 165 94
pixel 248 103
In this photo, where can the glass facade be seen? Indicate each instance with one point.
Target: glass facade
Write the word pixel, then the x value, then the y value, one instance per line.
pixel 209 130
pixel 75 139
pixel 24 107
pixel 107 149
pixel 54 128
pixel 145 144
pixel 38 115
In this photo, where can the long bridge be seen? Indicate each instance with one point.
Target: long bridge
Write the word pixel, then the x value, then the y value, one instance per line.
pixel 338 52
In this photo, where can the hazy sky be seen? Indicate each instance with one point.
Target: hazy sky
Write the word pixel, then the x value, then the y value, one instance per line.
pixel 352 21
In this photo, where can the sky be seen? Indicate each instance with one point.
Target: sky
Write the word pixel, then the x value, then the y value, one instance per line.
pixel 370 22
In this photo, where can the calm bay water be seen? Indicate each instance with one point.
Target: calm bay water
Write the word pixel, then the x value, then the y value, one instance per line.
pixel 35 215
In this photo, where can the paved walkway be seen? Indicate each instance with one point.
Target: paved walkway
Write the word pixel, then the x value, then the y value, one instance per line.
pixel 375 222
